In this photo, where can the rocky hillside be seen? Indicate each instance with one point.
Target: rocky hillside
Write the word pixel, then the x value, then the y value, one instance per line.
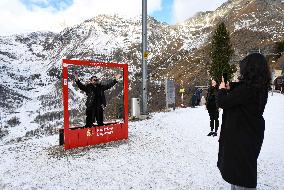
pixel 30 64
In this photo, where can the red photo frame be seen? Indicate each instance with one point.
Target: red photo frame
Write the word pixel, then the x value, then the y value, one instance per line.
pixel 73 137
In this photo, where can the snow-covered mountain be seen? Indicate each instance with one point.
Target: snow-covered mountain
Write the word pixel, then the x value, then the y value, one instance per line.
pixel 30 64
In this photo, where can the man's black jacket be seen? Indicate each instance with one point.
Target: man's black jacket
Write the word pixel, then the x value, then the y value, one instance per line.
pixel 95 93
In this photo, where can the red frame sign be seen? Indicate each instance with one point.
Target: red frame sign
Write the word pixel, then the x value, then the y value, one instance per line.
pixel 79 137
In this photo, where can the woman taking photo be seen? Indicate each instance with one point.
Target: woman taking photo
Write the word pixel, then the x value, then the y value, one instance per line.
pixel 243 124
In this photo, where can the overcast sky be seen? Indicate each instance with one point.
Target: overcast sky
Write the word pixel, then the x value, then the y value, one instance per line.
pixel 21 16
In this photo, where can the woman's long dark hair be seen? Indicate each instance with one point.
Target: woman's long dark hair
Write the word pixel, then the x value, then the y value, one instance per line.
pixel 255 72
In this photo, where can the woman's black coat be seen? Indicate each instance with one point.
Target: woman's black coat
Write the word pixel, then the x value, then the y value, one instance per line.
pixel 241 134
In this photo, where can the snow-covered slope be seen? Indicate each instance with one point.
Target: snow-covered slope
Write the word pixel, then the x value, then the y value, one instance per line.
pixel 168 151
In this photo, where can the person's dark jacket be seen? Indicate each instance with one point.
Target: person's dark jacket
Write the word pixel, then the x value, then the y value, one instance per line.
pixel 193 100
pixel 198 93
pixel 211 99
pixel 241 135
pixel 95 93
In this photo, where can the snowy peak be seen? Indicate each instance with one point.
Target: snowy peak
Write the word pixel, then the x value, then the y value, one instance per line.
pixel 243 14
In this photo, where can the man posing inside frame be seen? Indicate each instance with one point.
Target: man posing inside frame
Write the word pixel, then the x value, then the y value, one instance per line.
pixel 96 101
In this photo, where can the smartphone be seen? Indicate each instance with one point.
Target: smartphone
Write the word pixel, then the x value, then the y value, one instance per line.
pixel 225 76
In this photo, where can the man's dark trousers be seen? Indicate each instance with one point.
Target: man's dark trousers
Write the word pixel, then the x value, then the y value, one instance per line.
pixel 94 114
pixel 214 116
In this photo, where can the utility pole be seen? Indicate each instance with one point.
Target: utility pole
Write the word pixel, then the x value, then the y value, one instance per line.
pixel 144 57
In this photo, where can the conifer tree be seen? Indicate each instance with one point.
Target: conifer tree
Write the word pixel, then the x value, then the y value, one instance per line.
pixel 220 54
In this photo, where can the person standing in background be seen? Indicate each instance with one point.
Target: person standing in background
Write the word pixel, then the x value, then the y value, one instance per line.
pixel 193 100
pixel 212 107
